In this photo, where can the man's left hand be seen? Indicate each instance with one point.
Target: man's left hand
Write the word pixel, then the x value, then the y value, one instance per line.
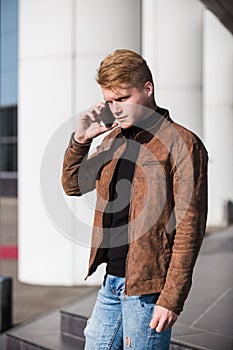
pixel 163 319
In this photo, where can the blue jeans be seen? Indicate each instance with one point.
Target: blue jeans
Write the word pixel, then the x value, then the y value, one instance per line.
pixel 121 322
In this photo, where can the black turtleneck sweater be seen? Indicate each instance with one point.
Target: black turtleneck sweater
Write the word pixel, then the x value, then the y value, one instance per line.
pixel 118 205
pixel 117 209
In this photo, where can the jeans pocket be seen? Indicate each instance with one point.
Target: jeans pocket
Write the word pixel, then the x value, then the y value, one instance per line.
pixel 148 300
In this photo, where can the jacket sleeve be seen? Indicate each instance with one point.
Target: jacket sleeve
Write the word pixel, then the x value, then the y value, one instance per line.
pixel 80 171
pixel 190 206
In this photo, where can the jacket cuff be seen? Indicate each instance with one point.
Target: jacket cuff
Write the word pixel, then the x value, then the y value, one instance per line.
pixel 79 148
pixel 169 304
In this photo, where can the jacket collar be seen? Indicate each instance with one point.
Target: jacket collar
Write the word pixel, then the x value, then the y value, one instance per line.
pixel 145 129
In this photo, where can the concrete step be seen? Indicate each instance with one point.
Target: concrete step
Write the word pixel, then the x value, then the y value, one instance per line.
pixel 3 341
pixel 63 330
pixel 182 346
pixel 43 333
pixel 59 330
pixel 74 316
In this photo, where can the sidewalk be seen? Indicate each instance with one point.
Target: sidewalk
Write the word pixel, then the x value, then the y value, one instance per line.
pixel 207 319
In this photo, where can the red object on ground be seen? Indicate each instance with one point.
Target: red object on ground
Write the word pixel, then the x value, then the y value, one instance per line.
pixel 9 252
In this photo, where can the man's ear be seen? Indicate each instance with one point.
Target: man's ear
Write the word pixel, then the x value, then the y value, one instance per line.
pixel 149 88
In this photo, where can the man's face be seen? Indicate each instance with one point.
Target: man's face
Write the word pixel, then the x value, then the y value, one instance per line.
pixel 128 104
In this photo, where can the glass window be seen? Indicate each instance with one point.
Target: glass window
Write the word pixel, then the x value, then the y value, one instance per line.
pixel 8 139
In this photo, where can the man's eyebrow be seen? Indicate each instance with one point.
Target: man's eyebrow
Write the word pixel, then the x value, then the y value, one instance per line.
pixel 122 97
pixel 118 98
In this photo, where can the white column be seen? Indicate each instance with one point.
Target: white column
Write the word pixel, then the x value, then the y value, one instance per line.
pixel 218 114
pixel 101 27
pixel 61 44
pixel 172 45
pixel 45 62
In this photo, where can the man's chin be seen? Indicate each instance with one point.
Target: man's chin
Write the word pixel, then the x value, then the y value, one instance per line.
pixel 125 125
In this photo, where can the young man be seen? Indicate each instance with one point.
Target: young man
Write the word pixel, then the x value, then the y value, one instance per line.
pixel 151 180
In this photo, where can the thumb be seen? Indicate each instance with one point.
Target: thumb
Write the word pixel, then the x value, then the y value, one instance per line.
pixel 105 128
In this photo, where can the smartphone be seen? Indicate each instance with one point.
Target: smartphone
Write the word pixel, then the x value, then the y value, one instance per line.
pixel 106 115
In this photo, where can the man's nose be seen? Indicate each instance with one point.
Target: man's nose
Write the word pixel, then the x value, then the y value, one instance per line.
pixel 116 108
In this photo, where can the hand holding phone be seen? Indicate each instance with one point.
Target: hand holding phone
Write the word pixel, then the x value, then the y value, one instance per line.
pixel 88 125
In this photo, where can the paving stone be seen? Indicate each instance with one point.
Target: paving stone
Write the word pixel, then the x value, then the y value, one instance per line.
pixel 207 319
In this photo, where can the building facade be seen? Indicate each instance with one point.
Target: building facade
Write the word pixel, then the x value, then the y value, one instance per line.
pixel 8 96
pixel 61 44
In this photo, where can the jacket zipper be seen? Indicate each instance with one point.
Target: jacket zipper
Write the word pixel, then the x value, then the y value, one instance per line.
pixel 127 256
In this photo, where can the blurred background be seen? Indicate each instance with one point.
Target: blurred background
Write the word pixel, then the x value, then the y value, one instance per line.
pixel 50 51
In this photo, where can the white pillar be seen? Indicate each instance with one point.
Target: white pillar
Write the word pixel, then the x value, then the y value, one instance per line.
pixel 172 45
pixel 218 114
pixel 61 44
pixel 101 27
pixel 45 68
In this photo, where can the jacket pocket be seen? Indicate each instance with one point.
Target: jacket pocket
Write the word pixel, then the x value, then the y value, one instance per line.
pixel 154 162
pixel 147 299
pixel 155 169
pixel 165 246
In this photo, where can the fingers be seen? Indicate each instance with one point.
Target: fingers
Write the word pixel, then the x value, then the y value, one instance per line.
pixel 105 128
pixel 159 324
pixel 96 109
pixel 89 124
pixel 96 129
pixel 94 112
pixel 163 326
pixel 154 322
pixel 162 319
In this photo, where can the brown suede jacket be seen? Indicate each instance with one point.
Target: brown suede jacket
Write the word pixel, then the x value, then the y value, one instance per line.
pixel 168 205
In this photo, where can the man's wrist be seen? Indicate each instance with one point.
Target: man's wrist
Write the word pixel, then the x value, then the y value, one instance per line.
pixel 75 139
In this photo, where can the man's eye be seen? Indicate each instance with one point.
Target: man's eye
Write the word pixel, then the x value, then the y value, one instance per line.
pixel 122 99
